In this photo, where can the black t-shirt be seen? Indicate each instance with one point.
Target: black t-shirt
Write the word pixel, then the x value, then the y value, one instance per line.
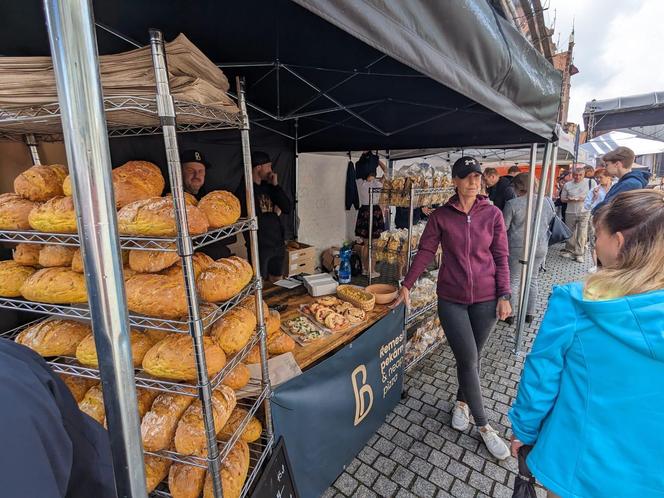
pixel 266 198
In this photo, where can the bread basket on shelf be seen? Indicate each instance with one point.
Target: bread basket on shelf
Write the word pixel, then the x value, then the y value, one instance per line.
pixel 357 296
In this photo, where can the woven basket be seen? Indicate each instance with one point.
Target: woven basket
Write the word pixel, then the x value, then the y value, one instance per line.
pixel 357 297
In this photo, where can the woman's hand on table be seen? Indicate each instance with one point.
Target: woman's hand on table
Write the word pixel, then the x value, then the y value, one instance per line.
pixel 402 297
pixel 503 309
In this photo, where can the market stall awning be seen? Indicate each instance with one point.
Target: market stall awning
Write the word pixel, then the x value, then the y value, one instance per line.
pixel 603 144
pixel 356 74
pixel 633 111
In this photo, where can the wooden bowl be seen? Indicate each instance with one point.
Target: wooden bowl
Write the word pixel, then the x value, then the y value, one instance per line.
pixel 384 293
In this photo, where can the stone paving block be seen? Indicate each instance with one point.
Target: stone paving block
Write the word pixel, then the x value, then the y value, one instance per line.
pixel 420 449
pixel 384 465
pixel 401 410
pixel 404 493
pixel 458 470
pixel 383 446
pixel 416 417
pixel 346 484
pixel 473 460
pixel 417 432
pixel 402 439
pixel 431 424
pixel 414 404
pixel 387 431
pixel 403 476
pixel 496 473
pixel 420 467
pixel 329 493
pixel 366 475
pixel 353 465
pixel 369 454
pixel 400 423
pixel 384 487
pixel 423 488
pixel 468 442
pixel 439 459
pixel 501 491
pixel 442 479
pixel 462 490
pixel 401 456
pixel 434 440
pixel 443 494
pixel 480 482
pixel 453 450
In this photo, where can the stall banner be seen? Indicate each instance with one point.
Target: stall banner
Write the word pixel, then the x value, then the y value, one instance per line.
pixel 327 414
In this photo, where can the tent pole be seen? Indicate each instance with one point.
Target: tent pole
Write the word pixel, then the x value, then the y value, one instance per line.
pixel 554 164
pixel 526 239
pixel 74 50
pixel 296 211
pixel 529 268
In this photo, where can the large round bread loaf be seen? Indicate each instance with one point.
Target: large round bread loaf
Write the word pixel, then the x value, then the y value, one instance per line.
pixel 224 279
pixel 12 277
pixel 54 336
pixel 190 436
pixel 86 352
pixel 251 432
pixel 27 254
pixel 234 329
pixel 249 302
pixel 15 212
pixel 40 183
pixel 280 343
pixel 156 218
pixel 55 286
pixel 173 358
pixel 200 261
pixel 78 386
pixel 186 481
pixel 56 216
pixel 221 208
pixel 234 470
pixel 93 404
pixel 188 198
pixel 159 423
pixel 161 296
pixel 152 261
pixel 51 256
pixel 237 378
pixel 156 470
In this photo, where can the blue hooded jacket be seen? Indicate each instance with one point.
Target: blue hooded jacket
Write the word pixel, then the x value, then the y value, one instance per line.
pixel 591 397
pixel 634 180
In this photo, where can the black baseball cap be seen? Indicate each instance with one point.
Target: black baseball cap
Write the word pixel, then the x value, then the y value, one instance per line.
pixel 464 166
pixel 259 157
pixel 193 156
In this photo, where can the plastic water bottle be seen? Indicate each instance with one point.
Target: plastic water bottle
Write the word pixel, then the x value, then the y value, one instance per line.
pixel 344 265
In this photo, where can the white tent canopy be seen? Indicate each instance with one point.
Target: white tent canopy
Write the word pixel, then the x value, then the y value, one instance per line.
pixel 599 146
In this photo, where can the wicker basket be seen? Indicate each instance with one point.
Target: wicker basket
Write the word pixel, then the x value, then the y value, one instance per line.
pixel 357 296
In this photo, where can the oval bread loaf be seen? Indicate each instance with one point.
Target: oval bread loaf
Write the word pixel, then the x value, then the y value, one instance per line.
pixel 224 279
pixel 156 217
pixel 27 254
pixel 254 356
pixel 54 336
pixel 221 208
pixel 78 386
pixel 86 352
pixel 152 261
pixel 160 422
pixel 238 377
pixel 12 277
pixel 55 286
pixel 173 358
pixel 233 330
pixel 51 256
pixel 186 481
pixel 200 261
pixel 272 322
pixel 77 263
pixel 41 182
pixel 56 215
pixel 250 433
pixel 152 294
pixel 15 212
pixel 93 404
pixel 156 470
pixel 280 343
pixel 234 470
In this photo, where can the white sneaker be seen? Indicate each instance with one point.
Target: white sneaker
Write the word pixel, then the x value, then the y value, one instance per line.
pixel 567 255
pixel 494 443
pixel 461 416
pixel 592 269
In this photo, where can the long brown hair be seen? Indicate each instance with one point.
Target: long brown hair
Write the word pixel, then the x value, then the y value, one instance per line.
pixel 639 216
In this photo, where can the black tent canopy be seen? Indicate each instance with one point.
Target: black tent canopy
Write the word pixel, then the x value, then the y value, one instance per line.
pixel 353 74
pixel 642 114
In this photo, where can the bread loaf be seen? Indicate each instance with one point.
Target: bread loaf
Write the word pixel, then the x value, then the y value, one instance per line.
pixel 224 279
pixel 200 261
pixel 280 343
pixel 40 183
pixel 234 470
pixel 152 261
pixel 55 286
pixel 93 404
pixel 161 296
pixel 86 352
pixel 272 323
pixel 156 470
pixel 249 302
pixel 27 254
pixel 190 434
pixel 188 198
pixel 221 208
pixel 173 358
pixel 12 277
pixel 250 433
pixel 238 377
pixel 54 336
pixel 145 398
pixel 78 385
pixel 50 256
pixel 159 423
pixel 77 263
pixel 156 217
pixel 186 481
pixel 15 212
pixel 234 329
pixel 254 356
pixel 56 215
pixel 157 335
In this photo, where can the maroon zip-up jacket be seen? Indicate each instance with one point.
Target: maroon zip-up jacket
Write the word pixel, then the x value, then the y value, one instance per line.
pixel 475 264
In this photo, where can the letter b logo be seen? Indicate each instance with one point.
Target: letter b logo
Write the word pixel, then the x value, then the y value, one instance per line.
pixel 363 393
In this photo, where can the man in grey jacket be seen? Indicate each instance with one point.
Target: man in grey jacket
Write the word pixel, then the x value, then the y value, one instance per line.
pixel 574 194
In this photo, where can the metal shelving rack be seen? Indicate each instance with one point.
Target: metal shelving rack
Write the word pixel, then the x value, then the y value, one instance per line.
pixel 167 117
pixel 415 196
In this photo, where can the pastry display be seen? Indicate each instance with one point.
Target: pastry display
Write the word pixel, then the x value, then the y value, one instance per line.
pixel 15 212
pixel 159 423
pixel 190 436
pixel 50 256
pixel 423 293
pixel 392 246
pixel 153 294
pixel 55 286
pixel 152 261
pixel 238 377
pixel 396 190
pixel 336 314
pixel 251 432
pixel 56 215
pixel 234 470
pixel 186 481
pixel 86 352
pixel 233 330
pixel 27 254
pixel 173 358
pixel 223 279
pixel 12 277
pixel 54 336
pixel 280 343
pixel 303 330
pixel 156 470
pixel 156 217
pixel 357 296
pixel 93 404
pixel 78 386
pixel 40 183
pixel 221 208
pixel 428 333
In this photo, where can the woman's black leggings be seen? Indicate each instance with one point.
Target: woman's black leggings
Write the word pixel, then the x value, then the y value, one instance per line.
pixel 467 328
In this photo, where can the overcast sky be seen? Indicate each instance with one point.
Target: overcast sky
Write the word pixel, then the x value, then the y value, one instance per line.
pixel 619 47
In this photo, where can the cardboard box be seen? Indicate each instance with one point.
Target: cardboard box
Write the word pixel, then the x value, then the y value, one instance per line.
pixel 300 258
pixel 320 284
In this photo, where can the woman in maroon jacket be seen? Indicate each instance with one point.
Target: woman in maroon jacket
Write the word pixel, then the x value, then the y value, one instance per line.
pixel 473 287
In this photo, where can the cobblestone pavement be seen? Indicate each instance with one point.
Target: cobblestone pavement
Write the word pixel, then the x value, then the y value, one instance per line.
pixel 416 453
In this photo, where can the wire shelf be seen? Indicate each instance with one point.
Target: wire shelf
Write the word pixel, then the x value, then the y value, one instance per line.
pixel 411 317
pixel 129 242
pixel 125 116
pixel 81 312
pixel 424 354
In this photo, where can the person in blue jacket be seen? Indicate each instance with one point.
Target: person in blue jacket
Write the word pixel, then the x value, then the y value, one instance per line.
pixel 619 164
pixel 591 397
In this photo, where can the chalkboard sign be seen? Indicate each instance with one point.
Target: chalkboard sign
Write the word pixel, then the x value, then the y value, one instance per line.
pixel 276 480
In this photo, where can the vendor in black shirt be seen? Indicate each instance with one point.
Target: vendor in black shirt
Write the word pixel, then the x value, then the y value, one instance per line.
pixel 270 201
